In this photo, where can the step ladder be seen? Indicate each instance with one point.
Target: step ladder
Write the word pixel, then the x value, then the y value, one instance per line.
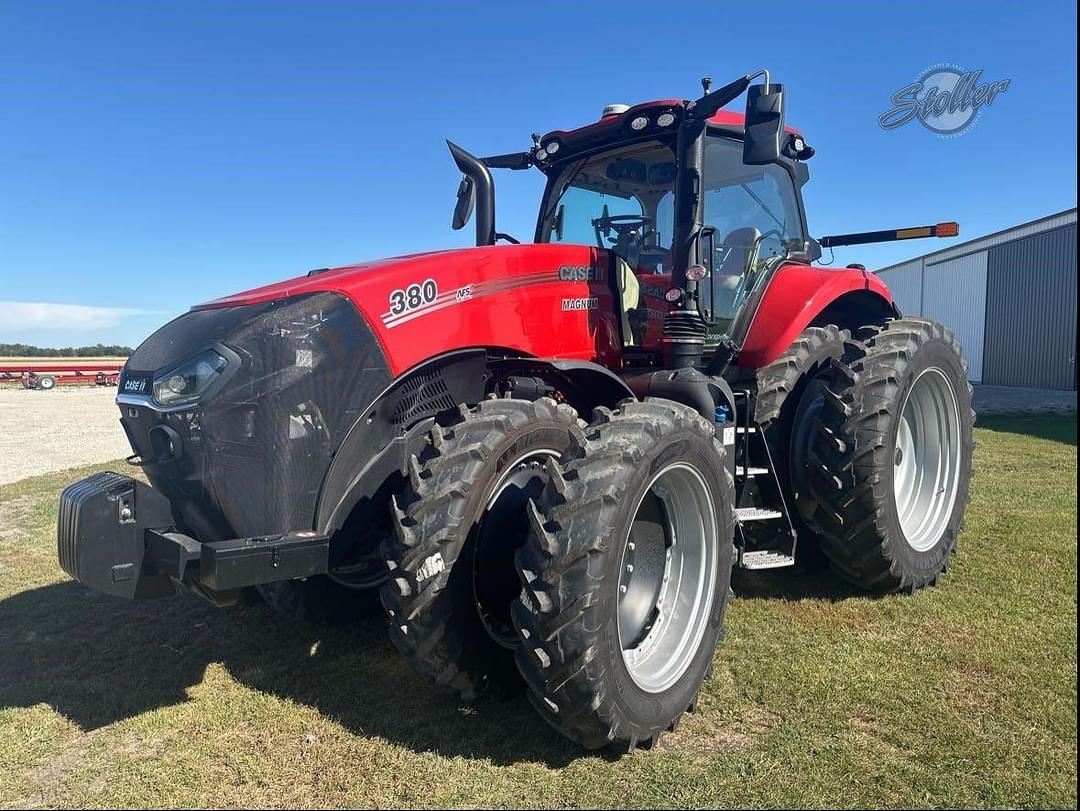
pixel 765 536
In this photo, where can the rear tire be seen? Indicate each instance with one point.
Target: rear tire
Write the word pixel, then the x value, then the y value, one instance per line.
pixel 602 668
pixel 891 457
pixel 458 522
pixel 787 399
pixel 46 382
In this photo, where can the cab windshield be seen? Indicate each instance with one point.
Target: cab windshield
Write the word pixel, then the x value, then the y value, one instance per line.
pixel 618 200
pixel 622 200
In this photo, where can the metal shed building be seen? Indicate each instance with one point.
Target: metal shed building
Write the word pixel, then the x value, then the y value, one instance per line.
pixel 1009 297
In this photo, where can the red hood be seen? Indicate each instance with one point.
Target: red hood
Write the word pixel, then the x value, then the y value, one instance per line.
pixel 339 279
pixel 543 300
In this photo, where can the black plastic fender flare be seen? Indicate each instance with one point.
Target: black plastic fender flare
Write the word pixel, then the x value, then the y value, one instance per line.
pixel 382 438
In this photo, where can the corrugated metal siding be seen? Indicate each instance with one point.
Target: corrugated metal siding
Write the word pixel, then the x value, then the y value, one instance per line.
pixel 1031 312
pixel 905 283
pixel 954 293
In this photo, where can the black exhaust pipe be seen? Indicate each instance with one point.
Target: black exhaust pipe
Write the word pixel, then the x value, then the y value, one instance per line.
pixel 483 188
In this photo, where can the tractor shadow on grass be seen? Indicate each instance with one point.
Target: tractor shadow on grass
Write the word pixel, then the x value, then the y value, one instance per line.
pixel 810 578
pixel 97 660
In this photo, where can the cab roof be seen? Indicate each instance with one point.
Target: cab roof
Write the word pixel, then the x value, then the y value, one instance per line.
pixel 600 130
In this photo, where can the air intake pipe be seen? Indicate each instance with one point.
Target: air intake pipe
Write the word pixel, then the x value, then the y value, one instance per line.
pixel 482 189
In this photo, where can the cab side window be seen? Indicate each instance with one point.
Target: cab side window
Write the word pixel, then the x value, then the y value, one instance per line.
pixel 755 214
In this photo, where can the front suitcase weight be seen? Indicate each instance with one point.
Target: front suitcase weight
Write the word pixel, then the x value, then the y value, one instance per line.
pixel 100 534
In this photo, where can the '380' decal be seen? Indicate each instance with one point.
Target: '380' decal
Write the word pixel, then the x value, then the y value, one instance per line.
pixel 413 296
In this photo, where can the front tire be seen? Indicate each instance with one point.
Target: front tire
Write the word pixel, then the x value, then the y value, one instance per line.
pixel 892 457
pixel 458 522
pixel 626 576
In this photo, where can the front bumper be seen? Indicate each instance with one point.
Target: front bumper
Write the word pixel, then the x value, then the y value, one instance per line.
pixel 118 535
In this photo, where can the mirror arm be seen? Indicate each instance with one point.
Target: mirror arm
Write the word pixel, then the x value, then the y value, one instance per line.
pixel 515 161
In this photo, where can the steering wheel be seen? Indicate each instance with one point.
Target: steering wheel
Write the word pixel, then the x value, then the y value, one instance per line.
pixel 619 224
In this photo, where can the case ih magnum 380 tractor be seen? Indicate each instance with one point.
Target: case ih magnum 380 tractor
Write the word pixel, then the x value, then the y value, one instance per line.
pixel 547 458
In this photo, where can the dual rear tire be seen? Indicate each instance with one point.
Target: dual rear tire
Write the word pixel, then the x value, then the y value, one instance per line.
pixel 889 460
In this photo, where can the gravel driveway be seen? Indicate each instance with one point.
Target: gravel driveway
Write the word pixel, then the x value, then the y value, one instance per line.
pixel 45 431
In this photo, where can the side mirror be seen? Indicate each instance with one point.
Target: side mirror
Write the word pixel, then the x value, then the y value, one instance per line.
pixel 466 199
pixel 764 131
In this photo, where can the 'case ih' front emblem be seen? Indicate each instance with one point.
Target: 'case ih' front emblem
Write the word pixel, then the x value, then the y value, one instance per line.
pixel 135 384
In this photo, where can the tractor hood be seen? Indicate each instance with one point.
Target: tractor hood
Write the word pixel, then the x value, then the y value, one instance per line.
pixel 325 279
pixel 519 297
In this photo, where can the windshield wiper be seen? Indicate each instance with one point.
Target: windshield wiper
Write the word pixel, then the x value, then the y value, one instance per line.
pixel 562 191
pixel 764 207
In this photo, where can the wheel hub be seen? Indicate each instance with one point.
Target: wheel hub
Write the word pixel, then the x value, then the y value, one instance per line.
pixel 667 578
pixel 926 471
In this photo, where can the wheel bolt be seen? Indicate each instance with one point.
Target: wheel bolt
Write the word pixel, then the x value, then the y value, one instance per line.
pixel 622 589
pixel 629 567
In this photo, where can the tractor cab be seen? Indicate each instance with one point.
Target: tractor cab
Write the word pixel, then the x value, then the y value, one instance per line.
pixel 622 200
pixel 695 207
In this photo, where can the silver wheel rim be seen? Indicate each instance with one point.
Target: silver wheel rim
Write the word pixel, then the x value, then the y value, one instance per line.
pixel 667 578
pixel 926 459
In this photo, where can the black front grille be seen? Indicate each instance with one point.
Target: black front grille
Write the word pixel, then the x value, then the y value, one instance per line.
pixel 254 454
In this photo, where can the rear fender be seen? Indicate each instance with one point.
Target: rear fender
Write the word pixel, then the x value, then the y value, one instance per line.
pixel 798 295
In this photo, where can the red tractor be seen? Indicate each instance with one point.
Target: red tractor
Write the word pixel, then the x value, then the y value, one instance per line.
pixel 548 457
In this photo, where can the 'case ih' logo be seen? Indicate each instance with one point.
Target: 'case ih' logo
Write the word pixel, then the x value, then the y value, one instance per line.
pixel 578 273
pixel 135 384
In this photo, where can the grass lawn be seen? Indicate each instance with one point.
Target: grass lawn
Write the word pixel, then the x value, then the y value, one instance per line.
pixel 961 695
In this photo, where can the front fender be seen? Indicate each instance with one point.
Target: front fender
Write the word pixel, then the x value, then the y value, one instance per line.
pixel 798 294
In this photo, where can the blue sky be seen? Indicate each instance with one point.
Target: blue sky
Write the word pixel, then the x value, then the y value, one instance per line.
pixel 158 154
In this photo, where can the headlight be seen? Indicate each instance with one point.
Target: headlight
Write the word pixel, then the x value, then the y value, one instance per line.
pixel 189 380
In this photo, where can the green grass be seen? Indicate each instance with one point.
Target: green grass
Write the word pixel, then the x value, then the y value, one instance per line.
pixel 963 695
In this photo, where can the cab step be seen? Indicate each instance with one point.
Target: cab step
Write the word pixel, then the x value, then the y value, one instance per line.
pixel 756 514
pixel 765 559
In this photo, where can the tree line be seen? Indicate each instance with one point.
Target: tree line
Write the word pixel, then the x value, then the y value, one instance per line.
pixel 95 351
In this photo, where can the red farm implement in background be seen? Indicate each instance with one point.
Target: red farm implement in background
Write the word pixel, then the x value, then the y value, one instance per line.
pixel 48 375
